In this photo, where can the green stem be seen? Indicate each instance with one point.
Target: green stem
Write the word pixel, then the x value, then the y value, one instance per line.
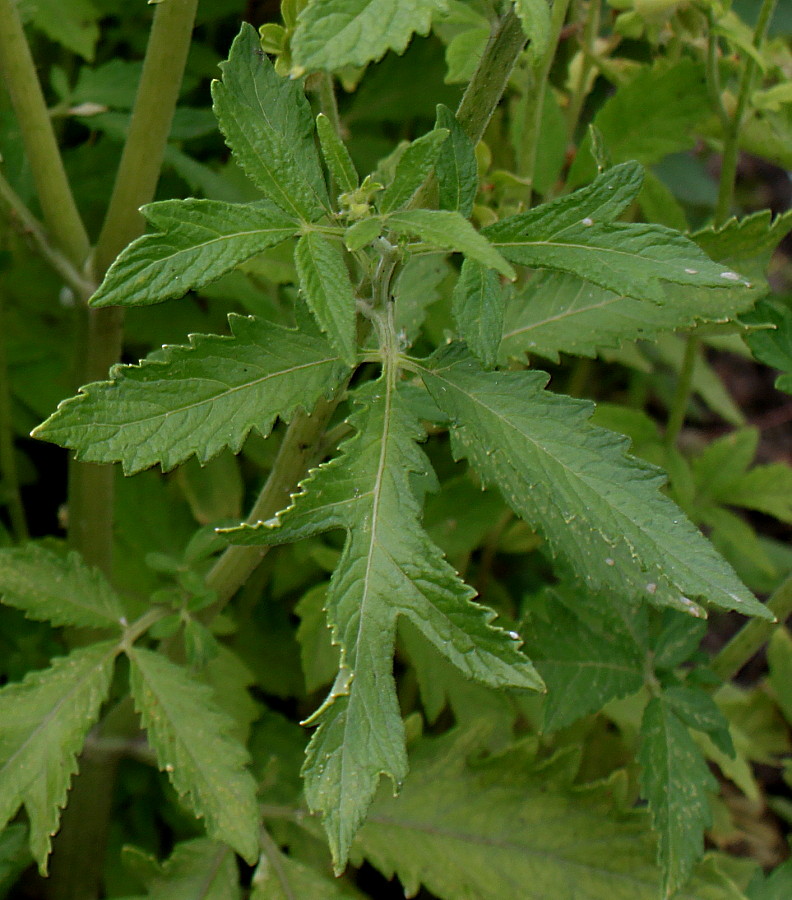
pixel 488 83
pixel 41 147
pixel 537 85
pixel 684 388
pixel 731 137
pixel 752 636
pixel 8 471
pixel 28 225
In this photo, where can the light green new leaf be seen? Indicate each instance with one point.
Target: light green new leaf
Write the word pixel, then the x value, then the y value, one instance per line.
pixel 676 782
pixel 43 723
pixel 389 568
pixel 74 25
pixel 336 155
pixel 191 737
pixel 654 114
pixel 511 826
pixel 535 19
pixel 199 241
pixel 586 652
pixel 196 870
pixel 324 279
pixel 449 231
pixel 267 123
pixel 62 590
pixel 196 399
pixel 332 34
pixel 558 313
pixel 600 510
pixel 456 168
pixel 478 304
pixel 412 170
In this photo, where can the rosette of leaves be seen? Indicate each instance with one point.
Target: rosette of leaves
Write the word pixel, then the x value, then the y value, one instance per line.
pixel 601 513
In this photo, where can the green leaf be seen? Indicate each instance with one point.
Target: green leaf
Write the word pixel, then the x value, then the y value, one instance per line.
pixel 389 568
pixel 586 652
pixel 336 155
pixel 14 856
pixel 478 304
pixel 282 877
pixel 648 117
pixel 449 231
pixel 74 26
pixel 601 511
pixel 196 399
pixel 324 279
pixel 779 657
pixel 199 869
pixel 747 243
pixel 332 34
pixel 456 168
pixel 698 710
pixel 773 347
pixel 198 241
pixel 267 123
pixel 57 589
pixel 361 233
pixel 513 826
pixel 45 719
pixel 677 783
pixel 559 313
pixel 775 886
pixel 535 19
pixel 190 736
pixel 632 259
pixel 413 168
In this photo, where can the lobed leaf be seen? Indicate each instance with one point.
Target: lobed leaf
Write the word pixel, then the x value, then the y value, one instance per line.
pixel 198 241
pixel 196 399
pixel 267 123
pixel 456 167
pixel 45 719
pixel 601 511
pixel 676 782
pixel 511 825
pixel 191 737
pixel 62 590
pixel 559 313
pixel 389 568
pixel 449 231
pixel 478 305
pixel 332 34
pixel 324 279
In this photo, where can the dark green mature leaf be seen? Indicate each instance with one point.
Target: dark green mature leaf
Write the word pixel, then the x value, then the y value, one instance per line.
pixel 586 652
pixel 456 168
pixel 335 33
pixel 199 241
pixel 773 346
pixel 478 304
pixel 775 886
pixel 282 877
pixel 196 399
pixel 649 117
pixel 412 170
pixel 14 856
pixel 191 737
pixel 324 279
pixel 196 870
pixel 600 510
pixel 514 826
pixel 389 568
pixel 267 123
pixel 676 782
pixel 747 243
pixel 45 719
pixel 336 155
pixel 57 589
pixel 75 25
pixel 559 313
pixel 449 231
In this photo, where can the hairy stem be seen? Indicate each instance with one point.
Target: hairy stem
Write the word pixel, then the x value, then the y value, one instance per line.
pixel 488 83
pixel 731 138
pixel 41 147
pixel 537 85
pixel 750 639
